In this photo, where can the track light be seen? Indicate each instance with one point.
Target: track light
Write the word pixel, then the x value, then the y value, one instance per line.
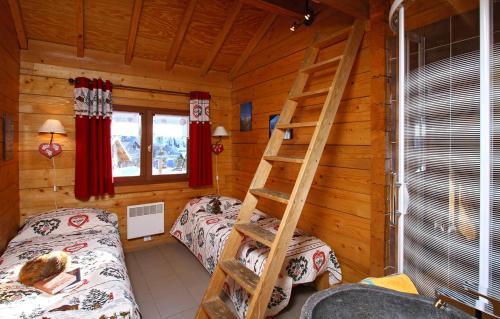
pixel 308 18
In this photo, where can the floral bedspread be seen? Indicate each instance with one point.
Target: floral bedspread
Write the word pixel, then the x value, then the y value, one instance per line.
pixel 204 226
pixel 90 236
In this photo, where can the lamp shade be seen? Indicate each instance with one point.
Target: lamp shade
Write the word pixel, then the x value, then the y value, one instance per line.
pixel 220 131
pixel 52 126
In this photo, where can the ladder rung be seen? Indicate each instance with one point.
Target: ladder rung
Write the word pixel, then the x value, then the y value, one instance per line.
pixel 270 194
pixel 243 276
pixel 256 232
pixel 333 38
pixel 310 94
pixel 285 159
pixel 216 308
pixel 321 65
pixel 296 125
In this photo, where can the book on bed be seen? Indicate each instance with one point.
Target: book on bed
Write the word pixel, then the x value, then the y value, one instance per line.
pixel 56 283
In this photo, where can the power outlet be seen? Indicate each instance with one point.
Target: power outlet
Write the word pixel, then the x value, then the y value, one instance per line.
pixel 147 238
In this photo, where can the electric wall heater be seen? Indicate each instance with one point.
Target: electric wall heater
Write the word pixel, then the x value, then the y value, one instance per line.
pixel 145 220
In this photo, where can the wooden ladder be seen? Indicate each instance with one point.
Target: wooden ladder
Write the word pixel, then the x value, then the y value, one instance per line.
pixel 260 287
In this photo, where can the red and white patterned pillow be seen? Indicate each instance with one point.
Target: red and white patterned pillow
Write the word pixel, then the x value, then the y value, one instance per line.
pixel 64 221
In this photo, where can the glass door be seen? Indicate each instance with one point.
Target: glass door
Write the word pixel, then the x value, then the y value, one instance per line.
pixel 448 229
pixel 494 222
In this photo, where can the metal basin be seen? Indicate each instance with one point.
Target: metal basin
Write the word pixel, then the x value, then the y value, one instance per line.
pixel 356 301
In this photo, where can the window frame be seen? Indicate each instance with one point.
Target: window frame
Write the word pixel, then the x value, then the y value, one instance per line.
pixel 146 176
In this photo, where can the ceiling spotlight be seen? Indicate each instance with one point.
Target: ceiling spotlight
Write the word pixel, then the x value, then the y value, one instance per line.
pixel 309 16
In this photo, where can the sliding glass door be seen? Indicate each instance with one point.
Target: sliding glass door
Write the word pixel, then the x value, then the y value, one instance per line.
pixel 449 143
pixel 494 249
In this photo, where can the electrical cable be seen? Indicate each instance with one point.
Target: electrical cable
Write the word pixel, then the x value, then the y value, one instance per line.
pixel 54 186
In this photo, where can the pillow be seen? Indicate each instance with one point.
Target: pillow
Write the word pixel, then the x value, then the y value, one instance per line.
pixel 64 221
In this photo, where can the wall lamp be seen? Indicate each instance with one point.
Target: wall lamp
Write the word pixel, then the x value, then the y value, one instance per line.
pixel 51 127
pixel 50 150
pixel 217 148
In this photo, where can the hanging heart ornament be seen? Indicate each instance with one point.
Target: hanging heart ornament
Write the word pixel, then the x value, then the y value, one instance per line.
pixel 217 148
pixel 50 150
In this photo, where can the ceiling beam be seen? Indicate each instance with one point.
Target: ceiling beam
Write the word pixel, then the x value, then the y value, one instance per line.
pixel 354 8
pixel 80 42
pixel 268 21
pixel 221 37
pixel 181 33
pixel 282 7
pixel 132 32
pixel 15 10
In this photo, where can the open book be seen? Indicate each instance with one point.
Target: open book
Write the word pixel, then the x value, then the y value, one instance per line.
pixel 56 283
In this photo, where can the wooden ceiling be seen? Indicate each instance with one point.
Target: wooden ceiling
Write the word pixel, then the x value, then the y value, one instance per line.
pixel 209 35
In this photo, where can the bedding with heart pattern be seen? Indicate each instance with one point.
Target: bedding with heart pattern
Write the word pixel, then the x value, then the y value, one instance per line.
pixel 64 221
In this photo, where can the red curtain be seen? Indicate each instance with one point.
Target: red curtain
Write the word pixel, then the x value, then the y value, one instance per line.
pixel 93 110
pixel 200 152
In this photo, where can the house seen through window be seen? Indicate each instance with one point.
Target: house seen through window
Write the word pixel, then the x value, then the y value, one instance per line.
pixel 149 145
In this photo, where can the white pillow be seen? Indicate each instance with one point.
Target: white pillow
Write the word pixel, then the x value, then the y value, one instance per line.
pixel 64 221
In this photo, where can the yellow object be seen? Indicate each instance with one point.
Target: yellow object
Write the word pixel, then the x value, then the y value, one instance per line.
pixel 398 282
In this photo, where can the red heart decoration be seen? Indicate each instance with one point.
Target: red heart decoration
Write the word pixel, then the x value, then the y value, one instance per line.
pixel 217 148
pixel 50 150
pixel 211 221
pixel 78 220
pixel 319 260
pixel 75 247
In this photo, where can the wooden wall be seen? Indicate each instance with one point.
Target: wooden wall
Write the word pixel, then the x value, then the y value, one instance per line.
pixel 45 93
pixel 9 93
pixel 345 206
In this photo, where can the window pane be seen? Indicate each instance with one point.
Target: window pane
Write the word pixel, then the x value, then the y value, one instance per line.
pixel 169 144
pixel 126 143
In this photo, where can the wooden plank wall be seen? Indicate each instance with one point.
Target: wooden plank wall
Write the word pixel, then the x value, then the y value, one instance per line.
pixel 340 207
pixel 45 93
pixel 9 93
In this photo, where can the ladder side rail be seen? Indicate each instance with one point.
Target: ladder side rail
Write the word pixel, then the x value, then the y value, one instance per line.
pixel 263 170
pixel 259 301
pixel 277 137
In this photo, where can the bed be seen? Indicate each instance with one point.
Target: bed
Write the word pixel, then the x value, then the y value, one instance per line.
pixel 204 225
pixel 90 236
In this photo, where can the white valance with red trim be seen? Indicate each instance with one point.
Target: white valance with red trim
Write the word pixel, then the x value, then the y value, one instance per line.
pixel 199 107
pixel 93 98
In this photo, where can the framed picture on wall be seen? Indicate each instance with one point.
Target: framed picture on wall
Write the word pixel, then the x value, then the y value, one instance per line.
pixel 7 137
pixel 246 116
pixel 273 119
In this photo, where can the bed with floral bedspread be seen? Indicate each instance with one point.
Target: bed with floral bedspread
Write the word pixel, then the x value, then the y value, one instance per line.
pixel 90 236
pixel 204 225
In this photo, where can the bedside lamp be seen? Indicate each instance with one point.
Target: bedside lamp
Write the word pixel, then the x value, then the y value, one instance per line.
pixel 50 150
pixel 217 148
pixel 51 127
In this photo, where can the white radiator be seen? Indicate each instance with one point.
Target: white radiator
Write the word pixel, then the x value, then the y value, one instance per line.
pixel 145 220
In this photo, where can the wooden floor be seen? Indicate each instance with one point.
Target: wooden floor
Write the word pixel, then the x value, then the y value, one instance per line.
pixel 169 282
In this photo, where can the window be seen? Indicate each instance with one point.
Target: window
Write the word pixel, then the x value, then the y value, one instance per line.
pixel 149 145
